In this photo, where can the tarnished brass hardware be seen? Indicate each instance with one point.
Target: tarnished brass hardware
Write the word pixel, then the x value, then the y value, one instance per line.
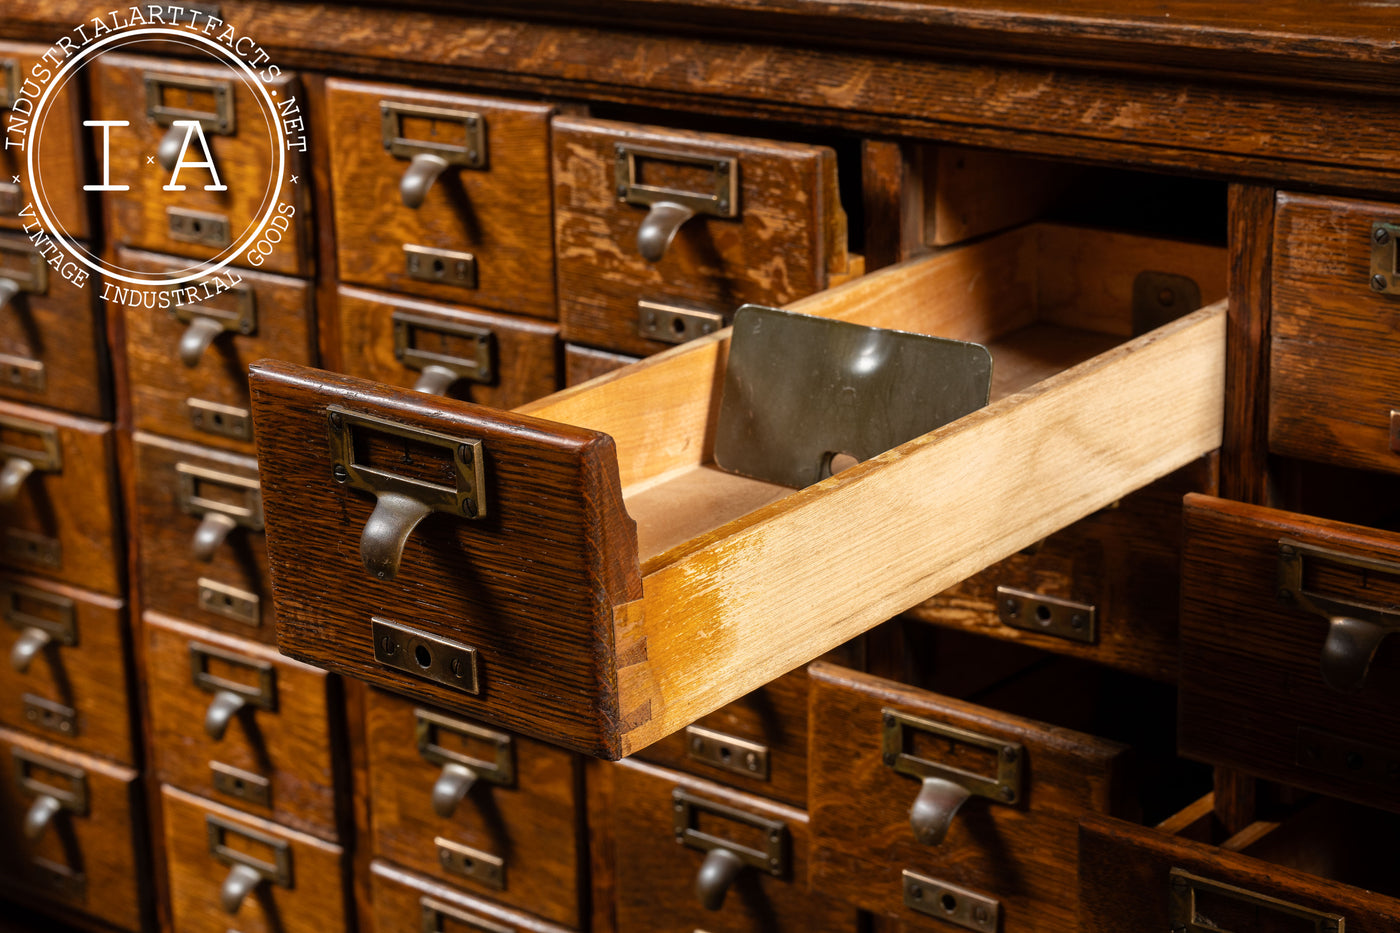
pixel 197 338
pixel 403 501
pixel 945 787
pixel 717 872
pixel 240 784
pixel 246 871
pixel 461 771
pixel 12 476
pixel 1049 615
pixel 20 373
pixel 444 266
pixel 672 323
pixel 20 461
pixel 220 420
pixel 433 914
pixel 429 158
pixel 482 867
pixel 229 602
pixel 1394 431
pixel 207 322
pixel 669 208
pixel 11 200
pixel 217 516
pixel 950 902
pixel 1187 914
pixel 1162 297
pixel 727 752
pixel 27 647
pixel 425 655
pixel 219 120
pixel 49 799
pixel 9 82
pixel 220 713
pixel 1355 629
pixel 1385 260
pixel 28 547
pixel 199 227
pixel 222 709
pixel 212 531
pixel 9 288
pixel 22 269
pixel 39 815
pixel 1347 758
pixel 50 715
pixel 440 369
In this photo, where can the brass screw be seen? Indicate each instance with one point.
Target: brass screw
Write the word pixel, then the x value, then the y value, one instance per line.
pixel 1381 236
pixel 1379 282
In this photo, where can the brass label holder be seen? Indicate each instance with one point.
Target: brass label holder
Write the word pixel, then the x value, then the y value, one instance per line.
pixel 61 628
pixel 32 274
pixel 470 152
pixel 481 342
pixel 1385 259
pixel 72 797
pixel 47 458
pixel 721 200
pixel 278 871
pixel 1047 615
pixel 242 318
pixel 434 913
pixel 1186 888
pixel 262 695
pixel 773 859
pixel 425 655
pixel 192 500
pixel 1003 787
pixel 482 867
pixel 9 82
pixel 499 770
pixel 950 903
pixel 28 547
pixel 220 120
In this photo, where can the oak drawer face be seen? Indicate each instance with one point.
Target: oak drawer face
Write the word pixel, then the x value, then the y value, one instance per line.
pixel 211 216
pixel 964 797
pixel 188 363
pixel 441 195
pixel 53 347
pixel 473 807
pixel 229 870
pixel 1104 589
pixel 695 855
pixel 68 662
pixel 1287 672
pixel 58 503
pixel 234 721
pixel 203 555
pixel 80 843
pixel 58 148
pixel 464 353
pixel 1334 370
pixel 553 570
pixel 698 222
pixel 405 901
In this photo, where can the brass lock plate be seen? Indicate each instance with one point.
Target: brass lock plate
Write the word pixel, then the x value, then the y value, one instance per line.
pixel 241 785
pixel 1347 758
pixel 27 547
pixel 28 607
pixel 727 752
pixel 900 730
pixel 220 420
pixel 950 903
pixel 717 196
pixel 1192 899
pixel 23 374
pixel 199 227
pixel 229 602
pixel 672 323
pixel 202 490
pixel 34 774
pixel 277 869
pixel 458 137
pixel 1047 615
pixel 773 859
pixel 420 342
pixel 1385 259
pixel 242 318
pixel 209 102
pixel 429 728
pixel 482 867
pixel 25 267
pixel 444 266
pixel 435 913
pixel 50 715
pixel 31 440
pixel 424 654
pixel 261 694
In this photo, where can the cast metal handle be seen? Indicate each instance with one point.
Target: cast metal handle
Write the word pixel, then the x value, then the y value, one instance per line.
pixel 197 338
pixel 717 873
pixel 12 477
pixel 451 788
pixel 386 532
pixel 659 228
pixel 423 170
pixel 213 528
pixel 435 380
pixel 933 811
pixel 27 647
pixel 171 144
pixel 9 288
pixel 225 705
pixel 240 882
pixel 40 814
pixel 1348 651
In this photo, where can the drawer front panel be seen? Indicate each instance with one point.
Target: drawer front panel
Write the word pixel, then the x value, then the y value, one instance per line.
pixel 767 227
pixel 188 365
pixel 1334 372
pixel 229 870
pixel 194 222
pixel 476 356
pixel 511 835
pixel 883 760
pixel 1104 589
pixel 1283 687
pixel 59 520
pixel 79 847
pixel 236 722
pixel 53 347
pixel 55 143
pixel 404 901
pixel 68 659
pixel 203 555
pixel 667 828
pixel 443 195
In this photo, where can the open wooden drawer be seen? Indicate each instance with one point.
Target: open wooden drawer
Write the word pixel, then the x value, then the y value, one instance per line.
pixel 614 585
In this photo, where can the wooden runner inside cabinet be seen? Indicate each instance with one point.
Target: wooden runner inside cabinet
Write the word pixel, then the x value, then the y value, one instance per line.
pixel 614 585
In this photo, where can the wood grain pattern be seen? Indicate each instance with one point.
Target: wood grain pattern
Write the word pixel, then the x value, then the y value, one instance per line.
pixel 401 899
pixel 169 570
pixel 315 902
pixel 500 213
pixel 104 844
pixel 788 234
pixel 584 363
pixel 245 162
pixel 892 195
pixel 161 385
pixel 524 357
pixel 1333 370
pixel 656 874
pixel 63 329
pixel 75 506
pixel 90 677
pixel 1245 447
pixel 970 193
pixel 57 145
pixel 1250 663
pixel 292 746
pixel 1022 854
pixel 533 824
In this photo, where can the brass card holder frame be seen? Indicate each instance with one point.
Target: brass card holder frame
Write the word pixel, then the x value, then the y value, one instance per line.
pixel 670 208
pixel 440 370
pixel 36 632
pixel 460 771
pixel 945 787
pixel 433 913
pixel 206 323
pixel 430 158
pixel 1385 258
pixel 33 279
pixel 48 799
pixel 230 696
pixel 220 120
pixel 20 462
pixel 216 518
pixel 246 871
pixel 724 859
pixel 1185 886
pixel 1355 629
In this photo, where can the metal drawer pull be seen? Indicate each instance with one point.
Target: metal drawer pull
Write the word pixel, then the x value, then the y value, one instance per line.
pixel 423 170
pixel 39 815
pixel 217 517
pixel 451 787
pixel 27 647
pixel 222 709
pixel 9 288
pixel 946 788
pixel 48 799
pixel 724 858
pixel 230 696
pixel 717 873
pixel 12 477
pixel 460 771
pixel 197 338
pixel 669 208
pixel 434 912
pixel 213 529
pixel 1355 629
pixel 429 158
pixel 659 228
pixel 24 270
pixel 220 120
pixel 206 323
pixel 237 886
pixel 1185 915
pixel 246 871
pixel 36 631
pixel 21 461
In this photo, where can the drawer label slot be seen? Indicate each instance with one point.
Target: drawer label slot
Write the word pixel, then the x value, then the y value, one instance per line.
pixel 1192 899
pixel 443 351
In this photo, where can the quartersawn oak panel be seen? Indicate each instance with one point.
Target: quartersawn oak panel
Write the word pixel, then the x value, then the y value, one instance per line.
pixel 401 898
pixel 57 147
pixel 501 214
